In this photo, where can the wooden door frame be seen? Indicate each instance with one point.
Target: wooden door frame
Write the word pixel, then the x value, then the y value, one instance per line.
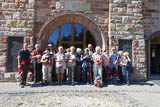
pixel 148 58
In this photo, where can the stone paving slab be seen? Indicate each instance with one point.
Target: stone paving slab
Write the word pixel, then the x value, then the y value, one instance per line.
pixel 135 95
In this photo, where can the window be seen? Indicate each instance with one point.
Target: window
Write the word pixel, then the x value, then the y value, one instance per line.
pixel 72 35
pixel 126 46
pixel 54 39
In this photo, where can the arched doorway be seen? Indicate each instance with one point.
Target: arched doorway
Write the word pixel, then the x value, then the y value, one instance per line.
pixel 72 35
pixel 73 20
pixel 153 52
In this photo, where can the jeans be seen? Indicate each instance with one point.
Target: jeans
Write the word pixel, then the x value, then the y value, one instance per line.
pixel 125 73
pixel 112 67
pixel 86 75
pixel 113 72
pixel 97 69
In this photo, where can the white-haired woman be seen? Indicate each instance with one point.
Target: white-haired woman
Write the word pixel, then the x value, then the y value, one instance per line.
pixel 72 64
pixel 60 60
pixel 79 64
pixel 97 59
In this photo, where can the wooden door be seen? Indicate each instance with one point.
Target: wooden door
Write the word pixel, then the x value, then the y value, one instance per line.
pixel 14 45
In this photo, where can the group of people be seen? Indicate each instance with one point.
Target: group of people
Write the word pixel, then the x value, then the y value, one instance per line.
pixel 87 65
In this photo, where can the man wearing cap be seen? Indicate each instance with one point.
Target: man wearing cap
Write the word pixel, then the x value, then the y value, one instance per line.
pixel 52 53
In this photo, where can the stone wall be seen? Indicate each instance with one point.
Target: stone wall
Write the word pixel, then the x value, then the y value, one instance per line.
pixel 151 12
pixel 126 22
pixel 16 19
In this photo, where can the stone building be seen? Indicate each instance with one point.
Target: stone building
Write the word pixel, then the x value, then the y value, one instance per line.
pixel 128 25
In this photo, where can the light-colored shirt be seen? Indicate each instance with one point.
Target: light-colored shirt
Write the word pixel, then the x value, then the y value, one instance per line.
pixel 59 56
pixel 44 57
pixel 97 57
pixel 71 57
pixel 124 61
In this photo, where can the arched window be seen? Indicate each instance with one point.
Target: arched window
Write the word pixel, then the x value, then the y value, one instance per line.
pixel 72 35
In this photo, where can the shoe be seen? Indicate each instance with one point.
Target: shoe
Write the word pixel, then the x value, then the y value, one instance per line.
pixel 42 84
pixel 34 82
pixel 22 86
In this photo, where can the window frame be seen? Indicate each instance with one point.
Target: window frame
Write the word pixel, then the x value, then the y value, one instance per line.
pixel 72 42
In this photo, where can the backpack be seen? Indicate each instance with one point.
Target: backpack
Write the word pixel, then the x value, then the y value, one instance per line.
pixel 98 82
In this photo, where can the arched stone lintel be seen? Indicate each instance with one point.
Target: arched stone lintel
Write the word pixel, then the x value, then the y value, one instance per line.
pixel 76 18
pixel 153 35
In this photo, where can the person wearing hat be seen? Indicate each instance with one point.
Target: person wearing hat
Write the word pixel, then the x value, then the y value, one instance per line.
pixel 46 65
pixel 50 46
pixel 52 54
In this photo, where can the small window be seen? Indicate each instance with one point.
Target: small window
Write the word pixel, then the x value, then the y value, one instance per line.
pixel 126 46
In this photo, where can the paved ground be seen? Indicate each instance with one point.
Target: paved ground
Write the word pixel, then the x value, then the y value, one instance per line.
pixel 136 95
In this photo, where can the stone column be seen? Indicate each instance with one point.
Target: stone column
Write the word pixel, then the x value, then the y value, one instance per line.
pixel 126 22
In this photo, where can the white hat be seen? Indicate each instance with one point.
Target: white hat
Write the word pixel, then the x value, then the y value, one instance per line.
pixel 50 44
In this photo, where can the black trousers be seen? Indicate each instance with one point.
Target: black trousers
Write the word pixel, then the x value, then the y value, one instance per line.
pixel 37 71
pixel 79 73
pixel 53 73
pixel 120 74
pixel 23 76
